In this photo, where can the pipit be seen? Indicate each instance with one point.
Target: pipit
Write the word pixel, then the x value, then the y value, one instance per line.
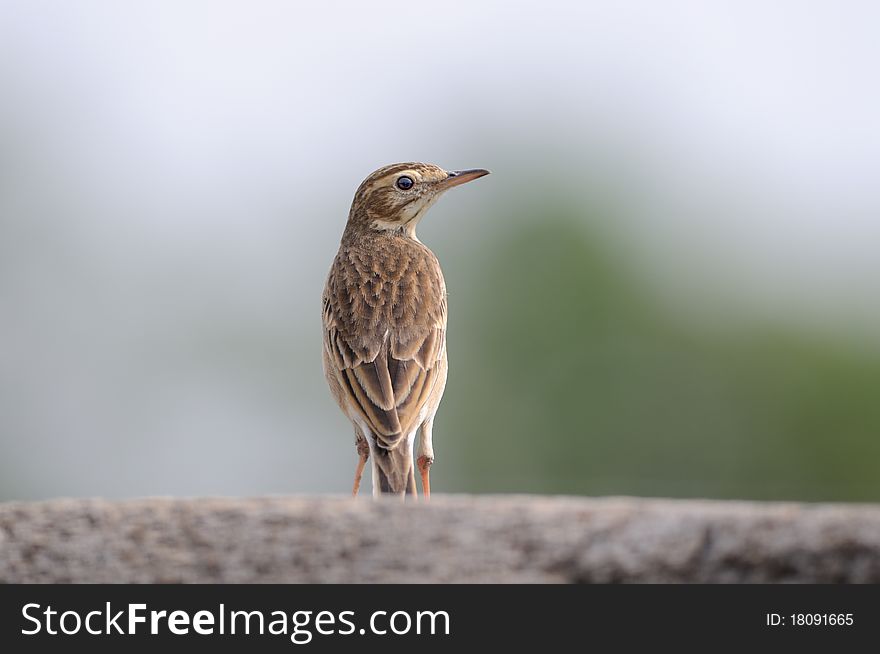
pixel 384 309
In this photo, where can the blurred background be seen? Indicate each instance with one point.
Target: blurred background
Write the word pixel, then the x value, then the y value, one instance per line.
pixel 669 285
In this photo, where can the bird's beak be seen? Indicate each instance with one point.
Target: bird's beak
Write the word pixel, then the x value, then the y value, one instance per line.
pixel 457 177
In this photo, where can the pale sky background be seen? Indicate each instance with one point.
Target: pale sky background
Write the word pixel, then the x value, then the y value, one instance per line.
pixel 174 178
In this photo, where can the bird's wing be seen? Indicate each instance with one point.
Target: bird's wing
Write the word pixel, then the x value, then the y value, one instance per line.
pixel 384 356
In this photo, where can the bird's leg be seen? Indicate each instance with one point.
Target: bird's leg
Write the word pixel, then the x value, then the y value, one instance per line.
pixel 424 464
pixel 363 450
pixel 426 456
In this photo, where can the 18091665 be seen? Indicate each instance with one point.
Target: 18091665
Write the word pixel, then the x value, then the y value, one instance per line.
pixel 810 619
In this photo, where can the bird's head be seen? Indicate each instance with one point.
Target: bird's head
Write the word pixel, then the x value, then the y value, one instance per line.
pixel 394 198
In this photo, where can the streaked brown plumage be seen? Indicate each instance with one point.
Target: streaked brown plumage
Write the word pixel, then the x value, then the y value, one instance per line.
pixel 384 311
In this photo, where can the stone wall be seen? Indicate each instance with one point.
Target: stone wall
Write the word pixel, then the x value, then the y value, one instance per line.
pixel 450 539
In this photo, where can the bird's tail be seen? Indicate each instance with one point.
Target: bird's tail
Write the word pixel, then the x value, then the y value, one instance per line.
pixel 393 472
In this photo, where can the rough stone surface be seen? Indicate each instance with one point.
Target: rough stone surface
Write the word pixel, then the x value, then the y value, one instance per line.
pixel 451 539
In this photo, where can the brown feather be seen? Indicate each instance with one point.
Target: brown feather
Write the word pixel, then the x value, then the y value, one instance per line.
pixel 385 316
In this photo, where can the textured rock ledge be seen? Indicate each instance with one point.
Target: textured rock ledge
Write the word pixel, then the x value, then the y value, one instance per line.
pixel 452 539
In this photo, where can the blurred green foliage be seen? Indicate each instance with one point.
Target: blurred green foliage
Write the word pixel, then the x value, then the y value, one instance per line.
pixel 574 379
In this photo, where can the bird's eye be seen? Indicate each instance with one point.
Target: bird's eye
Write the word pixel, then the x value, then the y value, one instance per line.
pixel 404 183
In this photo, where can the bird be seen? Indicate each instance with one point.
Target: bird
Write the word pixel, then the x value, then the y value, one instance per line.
pixel 384 310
